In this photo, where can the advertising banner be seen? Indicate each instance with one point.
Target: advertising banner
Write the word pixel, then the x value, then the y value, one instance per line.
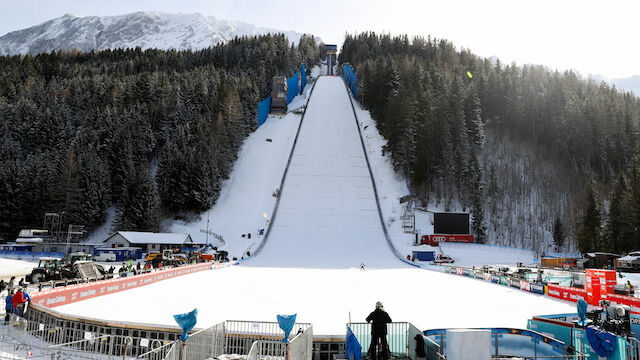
pixel 525 285
pixel 486 276
pixel 600 283
pixel 433 240
pixel 566 293
pixel 504 280
pixel 72 293
pixel 633 303
pixel 537 288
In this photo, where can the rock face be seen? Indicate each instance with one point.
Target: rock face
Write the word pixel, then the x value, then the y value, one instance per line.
pixel 141 29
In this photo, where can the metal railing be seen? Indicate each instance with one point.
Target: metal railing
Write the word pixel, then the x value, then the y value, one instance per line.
pixel 432 349
pixel 240 335
pixel 256 339
pixel 301 346
pixel 497 352
pixel 397 337
pixel 633 350
pixel 20 341
pixel 270 349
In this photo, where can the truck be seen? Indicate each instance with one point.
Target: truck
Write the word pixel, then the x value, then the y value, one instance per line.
pixel 49 268
pixel 279 95
pixel 167 257
pixel 630 262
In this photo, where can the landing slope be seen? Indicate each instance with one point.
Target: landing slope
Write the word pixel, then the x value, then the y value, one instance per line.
pixel 327 216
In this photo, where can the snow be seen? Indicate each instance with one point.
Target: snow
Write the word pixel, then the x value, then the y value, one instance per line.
pixel 141 237
pixel 140 29
pixel 310 263
pixel 324 297
pixel 247 196
pixel 17 268
pixel 327 205
pixel 103 231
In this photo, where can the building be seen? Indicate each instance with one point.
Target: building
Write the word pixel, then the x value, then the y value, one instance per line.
pixel 148 241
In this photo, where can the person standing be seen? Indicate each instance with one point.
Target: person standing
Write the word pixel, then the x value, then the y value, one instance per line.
pixel 8 307
pixel 11 283
pixel 18 302
pixel 361 266
pixel 379 320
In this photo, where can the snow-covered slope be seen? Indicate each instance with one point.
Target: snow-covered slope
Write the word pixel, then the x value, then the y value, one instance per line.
pixel 246 199
pixel 327 216
pixel 321 230
pixel 140 29
pixel 325 298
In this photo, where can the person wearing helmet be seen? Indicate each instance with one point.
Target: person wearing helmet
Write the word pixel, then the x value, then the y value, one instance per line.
pixel 379 320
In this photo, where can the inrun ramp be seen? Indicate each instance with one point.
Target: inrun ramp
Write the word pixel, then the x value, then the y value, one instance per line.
pixel 327 216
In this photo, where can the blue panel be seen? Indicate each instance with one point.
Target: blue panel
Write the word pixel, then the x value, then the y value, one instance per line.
pixel 303 79
pixel 264 107
pixel 292 87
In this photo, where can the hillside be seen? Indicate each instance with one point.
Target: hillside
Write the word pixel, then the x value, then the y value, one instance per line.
pixel 147 30
pixel 521 148
pixel 150 133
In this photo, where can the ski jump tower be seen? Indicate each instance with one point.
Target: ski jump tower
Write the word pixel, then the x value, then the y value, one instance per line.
pixel 331 57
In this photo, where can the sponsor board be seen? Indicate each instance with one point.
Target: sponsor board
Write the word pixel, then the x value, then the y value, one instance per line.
pixel 433 240
pixel 486 276
pixel 495 279
pixel 537 288
pixel 633 303
pixel 566 293
pixel 525 285
pixel 66 295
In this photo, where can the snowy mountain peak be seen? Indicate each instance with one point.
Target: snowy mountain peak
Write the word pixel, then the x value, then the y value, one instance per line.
pixel 139 29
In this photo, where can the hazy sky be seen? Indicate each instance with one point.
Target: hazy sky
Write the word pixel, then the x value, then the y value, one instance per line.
pixel 599 37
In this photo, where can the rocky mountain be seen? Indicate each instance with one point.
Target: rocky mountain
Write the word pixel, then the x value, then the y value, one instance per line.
pixel 140 29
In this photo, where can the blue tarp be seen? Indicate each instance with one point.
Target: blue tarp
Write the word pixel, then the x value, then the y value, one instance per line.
pixel 351 79
pixel 303 79
pixel 582 312
pixel 602 342
pixel 264 107
pixel 187 322
pixel 15 254
pixel 352 346
pixel 292 87
pixel 286 323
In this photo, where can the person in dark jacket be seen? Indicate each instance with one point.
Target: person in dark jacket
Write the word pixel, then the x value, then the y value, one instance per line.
pixel 379 320
pixel 8 307
pixel 420 346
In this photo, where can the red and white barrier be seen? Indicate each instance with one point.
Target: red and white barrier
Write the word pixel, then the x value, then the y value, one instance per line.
pixel 72 293
pixel 566 293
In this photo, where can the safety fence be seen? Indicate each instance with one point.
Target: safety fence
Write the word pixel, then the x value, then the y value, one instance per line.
pixel 295 86
pixel 69 294
pixel 29 255
pixel 351 79
pixel 256 340
pixel 22 339
pixel 517 343
pixel 401 338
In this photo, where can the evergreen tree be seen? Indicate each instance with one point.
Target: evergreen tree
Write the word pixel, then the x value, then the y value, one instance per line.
pixel 477 201
pixel 558 233
pixel 590 224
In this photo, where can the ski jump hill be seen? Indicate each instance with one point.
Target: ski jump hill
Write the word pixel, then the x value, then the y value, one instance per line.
pixel 327 215
pixel 325 222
